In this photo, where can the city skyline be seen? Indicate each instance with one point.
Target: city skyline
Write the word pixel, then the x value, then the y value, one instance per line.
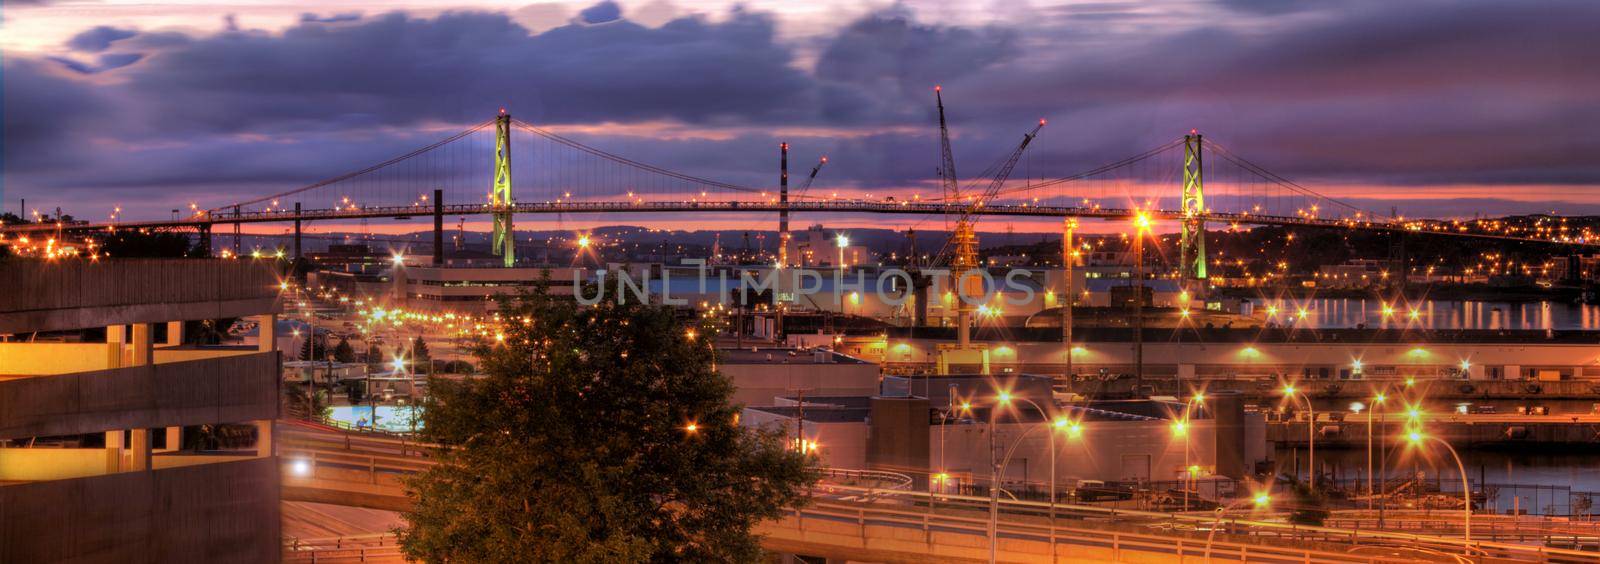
pixel 1448 110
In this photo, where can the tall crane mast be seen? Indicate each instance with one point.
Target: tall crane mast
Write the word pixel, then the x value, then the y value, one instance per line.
pixel 962 248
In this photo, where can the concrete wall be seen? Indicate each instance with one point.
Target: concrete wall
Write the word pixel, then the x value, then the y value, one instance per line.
pixel 51 295
pixel 217 390
pixel 35 359
pixel 898 440
pixel 224 512
pixel 1109 451
pixel 838 444
pixel 41 359
pixel 34 464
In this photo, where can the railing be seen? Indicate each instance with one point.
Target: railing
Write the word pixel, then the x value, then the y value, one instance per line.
pixel 1119 543
pixel 357 548
pixel 1208 520
pixel 893 480
pixel 897 505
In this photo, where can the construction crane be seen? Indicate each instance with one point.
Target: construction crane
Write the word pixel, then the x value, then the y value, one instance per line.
pixel 812 177
pixel 962 247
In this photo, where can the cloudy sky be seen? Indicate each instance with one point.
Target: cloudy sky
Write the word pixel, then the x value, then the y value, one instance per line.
pixel 1437 108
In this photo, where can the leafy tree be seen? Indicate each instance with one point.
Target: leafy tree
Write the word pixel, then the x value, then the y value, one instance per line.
pixel 343 352
pixel 374 354
pixel 524 475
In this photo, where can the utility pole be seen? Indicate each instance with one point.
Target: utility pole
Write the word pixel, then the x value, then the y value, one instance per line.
pixel 438 227
pixel 1138 300
pixel 1068 260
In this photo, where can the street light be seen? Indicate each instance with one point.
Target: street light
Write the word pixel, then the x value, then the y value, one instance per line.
pixel 1261 500
pixel 1416 437
pixel 1181 429
pixel 1073 429
pixel 1141 223
pixel 843 241
pixel 1311 433
pixel 1377 404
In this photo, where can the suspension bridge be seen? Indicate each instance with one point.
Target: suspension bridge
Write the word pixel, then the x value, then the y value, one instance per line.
pixel 505 167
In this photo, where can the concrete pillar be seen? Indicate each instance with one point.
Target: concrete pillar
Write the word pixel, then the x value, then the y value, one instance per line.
pixel 174 439
pixel 139 450
pixel 266 328
pixel 264 442
pixel 116 341
pixel 143 345
pixel 114 451
pixel 174 333
pixel 399 293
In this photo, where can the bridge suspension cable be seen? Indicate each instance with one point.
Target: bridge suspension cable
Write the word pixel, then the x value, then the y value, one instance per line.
pixel 350 175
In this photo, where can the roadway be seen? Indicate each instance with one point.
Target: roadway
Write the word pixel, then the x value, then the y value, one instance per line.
pixel 875 516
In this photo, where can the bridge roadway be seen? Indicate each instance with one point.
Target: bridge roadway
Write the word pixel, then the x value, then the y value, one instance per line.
pixel 874 516
pixel 906 207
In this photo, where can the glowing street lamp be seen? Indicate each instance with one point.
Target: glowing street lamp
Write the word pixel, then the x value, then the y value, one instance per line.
pixel 1417 438
pixel 1261 501
pixel 1311 432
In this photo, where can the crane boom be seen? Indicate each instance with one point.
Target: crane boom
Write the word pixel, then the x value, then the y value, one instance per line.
pixel 947 159
pixel 1002 173
pixel 813 176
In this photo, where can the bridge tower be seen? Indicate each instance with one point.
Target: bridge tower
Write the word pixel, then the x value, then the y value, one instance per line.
pixel 1192 240
pixel 505 238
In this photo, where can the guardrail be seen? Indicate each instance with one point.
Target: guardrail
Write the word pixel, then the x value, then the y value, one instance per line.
pixel 895 480
pixel 1117 542
pixel 355 548
pixel 1258 528
pixel 897 504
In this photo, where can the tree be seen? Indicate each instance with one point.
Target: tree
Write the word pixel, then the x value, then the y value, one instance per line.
pixel 523 474
pixel 130 243
pixel 374 353
pixel 419 351
pixel 343 352
pixel 314 347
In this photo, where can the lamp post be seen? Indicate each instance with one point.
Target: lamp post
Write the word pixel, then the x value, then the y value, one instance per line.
pixel 1417 438
pixel 1069 256
pixel 843 241
pixel 1141 222
pixel 1261 500
pixel 1383 452
pixel 1188 470
pixel 1311 433
pixel 1074 429
pixel 1377 403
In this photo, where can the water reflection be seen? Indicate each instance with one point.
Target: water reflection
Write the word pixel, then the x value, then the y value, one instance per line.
pixel 1335 313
